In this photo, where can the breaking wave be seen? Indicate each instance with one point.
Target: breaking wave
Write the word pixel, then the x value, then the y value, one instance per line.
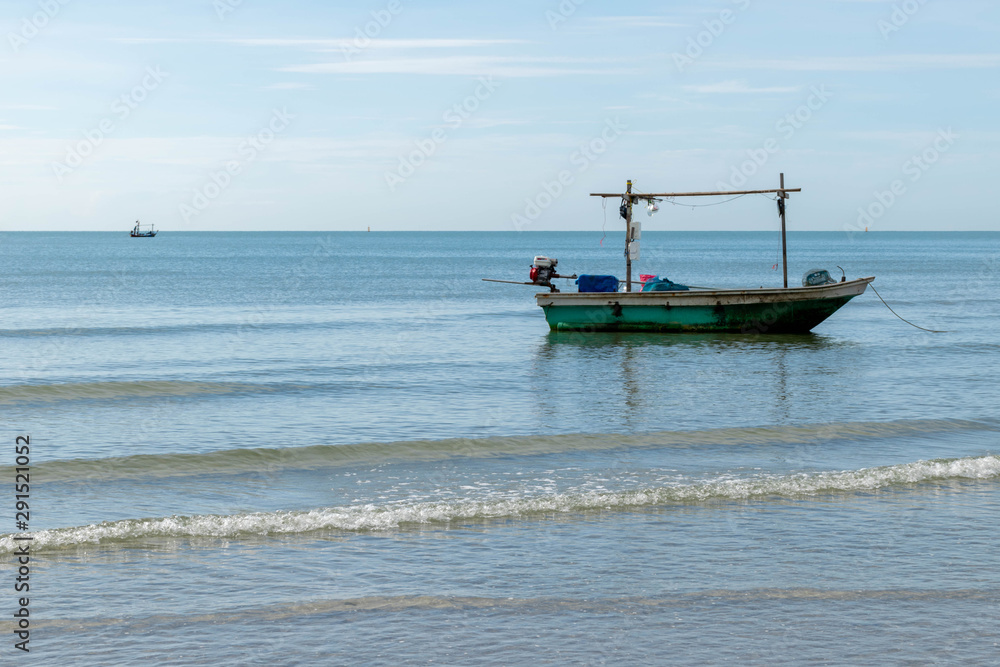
pixel 372 517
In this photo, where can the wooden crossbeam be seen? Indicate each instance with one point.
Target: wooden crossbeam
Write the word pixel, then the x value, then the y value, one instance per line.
pixel 665 195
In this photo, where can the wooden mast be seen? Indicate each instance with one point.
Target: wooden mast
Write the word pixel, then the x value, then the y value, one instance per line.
pixel 784 246
pixel 628 237
pixel 781 191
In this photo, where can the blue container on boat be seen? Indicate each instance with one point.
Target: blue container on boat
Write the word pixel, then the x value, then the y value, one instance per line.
pixel 589 283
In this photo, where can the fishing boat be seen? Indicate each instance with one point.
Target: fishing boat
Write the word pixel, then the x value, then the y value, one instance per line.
pixel 603 303
pixel 141 231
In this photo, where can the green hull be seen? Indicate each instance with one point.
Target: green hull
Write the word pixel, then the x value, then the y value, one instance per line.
pixel 799 317
pixel 795 310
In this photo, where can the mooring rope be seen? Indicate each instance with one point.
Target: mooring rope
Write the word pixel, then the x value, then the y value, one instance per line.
pixel 897 314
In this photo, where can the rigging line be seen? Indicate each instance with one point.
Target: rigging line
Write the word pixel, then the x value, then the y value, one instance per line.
pixel 894 312
pixel 604 205
pixel 703 205
pixel 777 256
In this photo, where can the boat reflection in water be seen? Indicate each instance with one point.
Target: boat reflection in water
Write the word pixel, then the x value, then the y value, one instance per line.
pixel 656 382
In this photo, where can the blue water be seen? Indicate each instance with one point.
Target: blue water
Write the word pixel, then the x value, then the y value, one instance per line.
pixel 295 448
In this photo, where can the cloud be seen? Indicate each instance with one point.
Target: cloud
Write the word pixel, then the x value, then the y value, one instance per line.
pixel 452 65
pixel 149 40
pixel 921 137
pixel 637 22
pixel 26 107
pixel 337 44
pixel 182 156
pixel 888 135
pixel 485 123
pixel 737 87
pixel 289 85
pixel 866 63
pixel 341 44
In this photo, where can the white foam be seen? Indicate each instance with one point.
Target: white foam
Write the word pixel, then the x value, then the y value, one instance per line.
pixel 386 517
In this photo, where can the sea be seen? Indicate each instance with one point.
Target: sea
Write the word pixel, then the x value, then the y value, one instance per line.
pixel 348 449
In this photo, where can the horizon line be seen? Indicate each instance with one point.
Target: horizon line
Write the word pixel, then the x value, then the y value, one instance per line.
pixel 501 231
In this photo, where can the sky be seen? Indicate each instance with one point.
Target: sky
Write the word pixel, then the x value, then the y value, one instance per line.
pixel 218 115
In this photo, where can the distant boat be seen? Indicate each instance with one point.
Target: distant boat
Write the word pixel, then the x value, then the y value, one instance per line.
pixel 665 306
pixel 138 231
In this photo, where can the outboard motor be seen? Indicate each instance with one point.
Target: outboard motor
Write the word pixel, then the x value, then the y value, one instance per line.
pixel 817 277
pixel 543 270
